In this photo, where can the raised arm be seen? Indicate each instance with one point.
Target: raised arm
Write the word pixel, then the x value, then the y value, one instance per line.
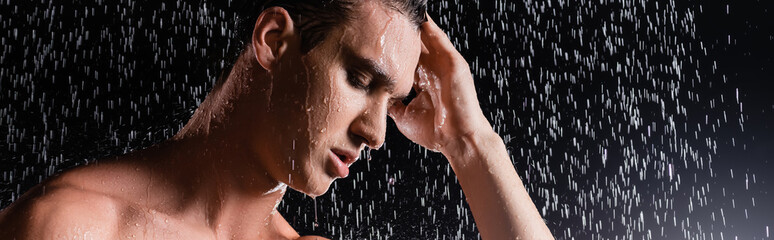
pixel 446 116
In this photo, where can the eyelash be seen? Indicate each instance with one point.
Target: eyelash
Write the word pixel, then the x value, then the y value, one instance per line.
pixel 356 81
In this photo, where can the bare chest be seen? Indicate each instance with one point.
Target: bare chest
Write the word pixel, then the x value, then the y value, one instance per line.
pixel 150 224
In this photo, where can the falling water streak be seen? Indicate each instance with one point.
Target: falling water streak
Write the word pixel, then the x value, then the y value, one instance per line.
pixel 316 223
pixel 590 75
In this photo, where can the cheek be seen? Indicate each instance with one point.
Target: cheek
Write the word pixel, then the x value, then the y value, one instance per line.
pixel 343 105
pixel 321 106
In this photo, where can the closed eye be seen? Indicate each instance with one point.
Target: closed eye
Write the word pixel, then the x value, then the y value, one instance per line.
pixel 357 80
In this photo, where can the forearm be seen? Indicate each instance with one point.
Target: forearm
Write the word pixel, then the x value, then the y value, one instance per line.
pixel 497 197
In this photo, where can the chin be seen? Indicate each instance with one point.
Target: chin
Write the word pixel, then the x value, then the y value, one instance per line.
pixel 310 176
pixel 313 187
pixel 316 192
pixel 320 188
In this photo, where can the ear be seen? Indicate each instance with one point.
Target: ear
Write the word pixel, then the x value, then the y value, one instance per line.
pixel 271 36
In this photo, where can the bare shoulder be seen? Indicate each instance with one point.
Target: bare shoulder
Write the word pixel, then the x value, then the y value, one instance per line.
pixel 61 211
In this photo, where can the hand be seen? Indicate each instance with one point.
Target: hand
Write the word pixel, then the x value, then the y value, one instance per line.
pixel 446 109
pixel 445 116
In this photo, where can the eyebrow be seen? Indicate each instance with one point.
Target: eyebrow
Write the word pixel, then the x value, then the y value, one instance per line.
pixel 372 67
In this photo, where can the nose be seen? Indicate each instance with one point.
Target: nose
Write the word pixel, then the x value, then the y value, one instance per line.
pixel 370 126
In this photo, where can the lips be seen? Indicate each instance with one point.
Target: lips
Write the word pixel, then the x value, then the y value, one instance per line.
pixel 348 157
pixel 342 159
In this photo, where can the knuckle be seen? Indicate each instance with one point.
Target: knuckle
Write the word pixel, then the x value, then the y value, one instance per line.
pixel 458 65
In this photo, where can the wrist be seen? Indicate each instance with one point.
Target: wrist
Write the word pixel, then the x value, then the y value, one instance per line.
pixel 469 147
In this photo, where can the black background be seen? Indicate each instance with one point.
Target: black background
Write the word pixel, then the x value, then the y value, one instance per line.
pixel 68 97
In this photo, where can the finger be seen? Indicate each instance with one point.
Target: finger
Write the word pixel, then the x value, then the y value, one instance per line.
pixel 423 79
pixel 424 48
pixel 435 39
pixel 418 88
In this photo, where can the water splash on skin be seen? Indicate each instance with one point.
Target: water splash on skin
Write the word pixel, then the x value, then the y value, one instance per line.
pixel 429 80
pixel 310 133
pixel 563 82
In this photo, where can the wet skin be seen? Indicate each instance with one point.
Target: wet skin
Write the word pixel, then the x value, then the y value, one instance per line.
pixel 283 118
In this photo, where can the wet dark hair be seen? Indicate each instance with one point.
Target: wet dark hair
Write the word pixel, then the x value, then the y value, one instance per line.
pixel 312 18
pixel 315 18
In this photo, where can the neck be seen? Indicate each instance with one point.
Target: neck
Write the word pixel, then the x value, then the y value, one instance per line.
pixel 217 112
pixel 224 181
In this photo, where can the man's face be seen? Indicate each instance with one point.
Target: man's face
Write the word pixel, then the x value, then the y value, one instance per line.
pixel 328 104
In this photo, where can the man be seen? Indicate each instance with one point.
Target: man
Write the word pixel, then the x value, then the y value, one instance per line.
pixel 301 101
